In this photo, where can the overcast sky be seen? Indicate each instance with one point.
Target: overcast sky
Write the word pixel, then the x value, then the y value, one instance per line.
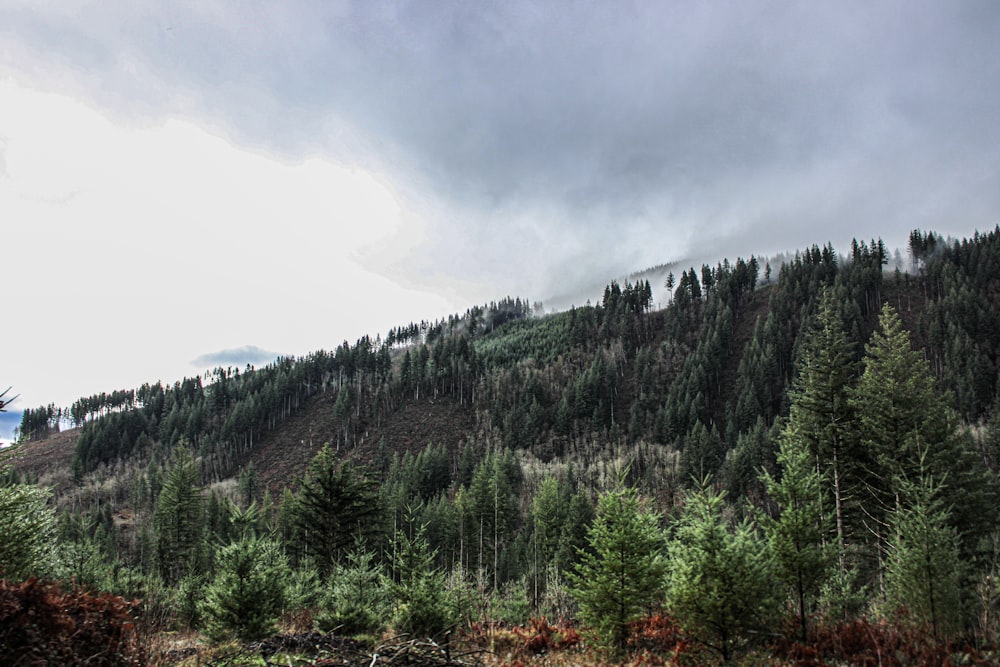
pixel 184 185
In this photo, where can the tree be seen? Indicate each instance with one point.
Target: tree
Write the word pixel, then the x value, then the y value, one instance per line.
pixel 621 575
pixel 422 607
pixel 898 407
pixel 797 536
pixel 720 581
pixel 923 564
pixel 356 600
pixel 179 519
pixel 27 533
pixel 247 594
pixel 821 418
pixel 336 504
pixel 909 427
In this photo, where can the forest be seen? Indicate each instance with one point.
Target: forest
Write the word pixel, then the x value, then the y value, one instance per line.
pixel 791 462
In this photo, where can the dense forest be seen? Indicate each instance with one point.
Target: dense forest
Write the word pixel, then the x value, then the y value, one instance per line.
pixel 781 456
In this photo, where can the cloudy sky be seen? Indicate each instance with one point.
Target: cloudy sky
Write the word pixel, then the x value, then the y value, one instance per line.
pixel 190 184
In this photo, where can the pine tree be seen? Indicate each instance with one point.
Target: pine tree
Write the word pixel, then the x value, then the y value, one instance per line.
pixel 246 596
pixel 909 427
pixel 720 580
pixel 797 536
pixel 335 505
pixel 356 600
pixel 923 564
pixel 899 409
pixel 179 519
pixel 422 607
pixel 822 419
pixel 27 533
pixel 621 576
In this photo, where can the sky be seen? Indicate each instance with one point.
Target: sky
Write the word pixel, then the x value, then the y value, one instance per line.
pixel 191 184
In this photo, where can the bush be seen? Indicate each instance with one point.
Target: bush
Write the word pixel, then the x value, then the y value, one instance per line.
pixel 864 642
pixel 40 624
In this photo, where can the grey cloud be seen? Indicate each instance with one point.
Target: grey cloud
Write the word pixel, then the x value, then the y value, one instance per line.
pixel 588 137
pixel 237 356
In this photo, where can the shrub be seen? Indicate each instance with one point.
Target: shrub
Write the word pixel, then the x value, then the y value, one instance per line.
pixel 41 624
pixel 864 642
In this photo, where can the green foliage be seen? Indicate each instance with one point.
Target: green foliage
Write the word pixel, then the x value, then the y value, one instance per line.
pixel 923 574
pixel 720 580
pixel 908 426
pixel 422 606
pixel 713 383
pixel 489 513
pixel 190 590
pixel 620 577
pixel 899 410
pixel 304 590
pixel 179 520
pixel 247 593
pixel 27 533
pixel 822 421
pixel 356 599
pixel 797 537
pixel 511 604
pixel 336 504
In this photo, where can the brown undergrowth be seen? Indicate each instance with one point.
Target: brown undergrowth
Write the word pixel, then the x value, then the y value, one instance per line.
pixel 41 623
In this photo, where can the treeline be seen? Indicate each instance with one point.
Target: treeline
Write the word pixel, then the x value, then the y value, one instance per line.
pixel 222 415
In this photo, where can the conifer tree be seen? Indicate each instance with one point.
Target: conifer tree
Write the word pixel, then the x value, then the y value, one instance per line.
pixel 179 519
pixel 246 596
pixel 356 599
pixel 797 536
pixel 336 504
pixel 909 427
pixel 720 579
pixel 27 533
pixel 621 576
pixel 422 606
pixel 899 410
pixel 822 419
pixel 923 564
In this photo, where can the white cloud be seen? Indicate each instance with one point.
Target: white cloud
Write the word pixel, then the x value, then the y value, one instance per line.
pixel 130 251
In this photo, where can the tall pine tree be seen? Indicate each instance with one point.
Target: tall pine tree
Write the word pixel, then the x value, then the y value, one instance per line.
pixel 179 519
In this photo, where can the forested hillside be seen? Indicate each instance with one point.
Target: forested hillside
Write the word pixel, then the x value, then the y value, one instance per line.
pixel 786 450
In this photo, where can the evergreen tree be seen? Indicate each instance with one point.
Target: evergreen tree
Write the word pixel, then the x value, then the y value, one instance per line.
pixel 247 595
pixel 923 564
pixel 899 410
pixel 720 580
pixel 422 606
pixel 27 533
pixel 822 419
pixel 909 428
pixel 621 576
pixel 356 599
pixel 797 536
pixel 179 519
pixel 336 504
